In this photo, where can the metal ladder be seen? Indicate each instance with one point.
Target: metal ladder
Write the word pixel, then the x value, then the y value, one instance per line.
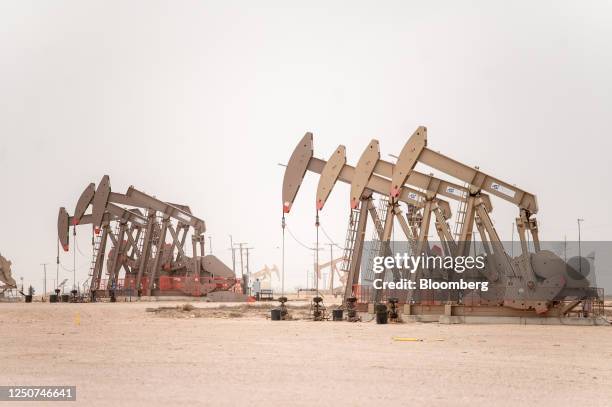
pixel 411 218
pixel 461 212
pixel 351 236
pixel 376 248
pixel 155 241
pixel 94 253
pixel 140 243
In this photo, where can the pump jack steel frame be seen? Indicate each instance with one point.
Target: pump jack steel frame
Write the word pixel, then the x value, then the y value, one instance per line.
pixel 147 250
pixel 523 286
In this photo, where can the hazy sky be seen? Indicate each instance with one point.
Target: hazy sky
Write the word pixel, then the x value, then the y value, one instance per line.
pixel 197 102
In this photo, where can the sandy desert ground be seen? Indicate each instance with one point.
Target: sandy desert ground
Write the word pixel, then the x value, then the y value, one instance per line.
pixel 120 354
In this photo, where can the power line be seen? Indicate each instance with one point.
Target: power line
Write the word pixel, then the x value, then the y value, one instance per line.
pixel 76 244
pixel 65 269
pixel 296 239
pixel 71 270
pixel 330 239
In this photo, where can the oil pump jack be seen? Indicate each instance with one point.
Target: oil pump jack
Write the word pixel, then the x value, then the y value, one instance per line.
pixel 334 270
pixel 6 278
pixel 536 282
pixel 265 276
pixel 148 239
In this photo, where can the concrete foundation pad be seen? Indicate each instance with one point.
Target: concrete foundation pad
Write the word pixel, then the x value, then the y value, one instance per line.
pixel 599 321
pixel 216 296
pixel 226 296
pixel 420 318
pixel 155 298
pixel 451 319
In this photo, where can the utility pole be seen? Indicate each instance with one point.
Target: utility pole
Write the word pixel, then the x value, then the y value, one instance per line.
pixel 512 249
pixel 244 280
pixel 45 279
pixel 247 261
pixel 248 272
pixel 233 249
pixel 210 244
pixel 240 246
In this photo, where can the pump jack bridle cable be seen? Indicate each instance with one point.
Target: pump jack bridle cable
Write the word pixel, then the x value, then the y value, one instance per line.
pixel 317 253
pixel 65 269
pixel 283 225
pixel 74 284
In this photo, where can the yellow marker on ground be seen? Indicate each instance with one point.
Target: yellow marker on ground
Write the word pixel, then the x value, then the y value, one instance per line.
pixel 400 339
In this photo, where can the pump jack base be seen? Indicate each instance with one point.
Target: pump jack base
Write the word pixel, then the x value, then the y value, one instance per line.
pixel 588 321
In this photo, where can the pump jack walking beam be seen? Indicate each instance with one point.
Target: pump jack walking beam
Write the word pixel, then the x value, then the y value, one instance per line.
pixel 336 169
pixel 363 182
pixel 112 212
pixel 416 151
pixel 373 173
pixel 105 208
pixel 478 208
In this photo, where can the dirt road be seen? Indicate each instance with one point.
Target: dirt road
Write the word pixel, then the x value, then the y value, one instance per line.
pixel 119 354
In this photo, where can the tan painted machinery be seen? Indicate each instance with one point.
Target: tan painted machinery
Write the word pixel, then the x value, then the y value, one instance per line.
pixel 6 278
pixel 535 282
pixel 336 280
pixel 265 276
pixel 146 239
